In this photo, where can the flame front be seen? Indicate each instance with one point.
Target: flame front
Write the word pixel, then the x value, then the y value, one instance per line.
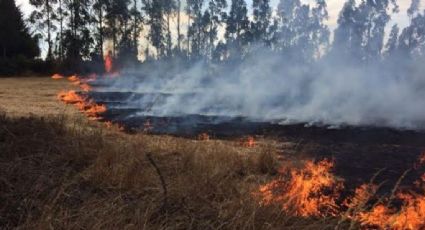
pixel 57 76
pixel 310 191
pixel 314 191
pixel 88 107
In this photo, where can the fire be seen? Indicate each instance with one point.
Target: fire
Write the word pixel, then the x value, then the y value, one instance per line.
pixel 422 159
pixel 56 76
pixel 90 108
pixel 108 62
pixel 411 215
pixel 310 191
pixel 204 137
pixel 73 78
pixel 314 191
pixel 93 110
pixel 70 97
pixel 85 87
pixel 248 142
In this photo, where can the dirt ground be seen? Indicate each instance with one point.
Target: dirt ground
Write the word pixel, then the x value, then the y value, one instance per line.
pixel 25 96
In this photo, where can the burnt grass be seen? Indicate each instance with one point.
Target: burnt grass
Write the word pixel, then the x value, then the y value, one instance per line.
pixel 73 174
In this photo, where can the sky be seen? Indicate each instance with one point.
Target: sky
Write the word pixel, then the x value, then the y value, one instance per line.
pixel 334 7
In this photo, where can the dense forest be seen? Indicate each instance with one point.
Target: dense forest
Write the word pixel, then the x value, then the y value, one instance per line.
pixel 77 32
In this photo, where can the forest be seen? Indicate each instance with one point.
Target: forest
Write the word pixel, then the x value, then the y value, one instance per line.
pixel 77 34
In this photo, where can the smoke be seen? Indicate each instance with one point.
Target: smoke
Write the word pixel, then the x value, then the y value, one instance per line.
pixel 269 87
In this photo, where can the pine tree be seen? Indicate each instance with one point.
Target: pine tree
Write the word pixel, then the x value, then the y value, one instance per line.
pixel 195 32
pixel 43 17
pixel 237 27
pixel 154 10
pixel 413 9
pixel 261 20
pixel 77 38
pixel 216 17
pixel 392 43
pixel 99 8
pixel 170 7
pixel 15 39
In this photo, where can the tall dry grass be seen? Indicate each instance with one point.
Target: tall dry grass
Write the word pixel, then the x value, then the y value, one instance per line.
pixel 57 173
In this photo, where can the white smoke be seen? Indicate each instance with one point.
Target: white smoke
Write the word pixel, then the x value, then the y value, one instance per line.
pixel 268 87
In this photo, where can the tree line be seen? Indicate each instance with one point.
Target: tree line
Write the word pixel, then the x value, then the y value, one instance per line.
pixel 76 31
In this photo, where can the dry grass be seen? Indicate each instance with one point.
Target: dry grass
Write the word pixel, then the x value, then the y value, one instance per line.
pixel 28 96
pixel 83 176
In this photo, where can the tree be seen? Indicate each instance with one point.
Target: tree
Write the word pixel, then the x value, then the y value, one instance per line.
pixel 195 31
pixel 61 17
pixel 77 38
pixel 137 20
pixel 346 40
pixel 170 7
pixel 321 33
pixel 301 33
pixel 361 29
pixel 15 39
pixel 392 43
pixel 43 17
pixel 261 20
pixel 216 17
pixel 412 38
pixel 154 9
pixel 237 27
pixel 179 35
pixel 413 9
pixel 99 8
pixel 286 29
pixel 118 24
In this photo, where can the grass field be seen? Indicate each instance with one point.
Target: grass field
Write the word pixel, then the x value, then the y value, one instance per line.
pixel 58 170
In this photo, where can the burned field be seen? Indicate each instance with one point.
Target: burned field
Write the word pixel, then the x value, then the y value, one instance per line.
pixel 212 114
pixel 358 152
pixel 363 175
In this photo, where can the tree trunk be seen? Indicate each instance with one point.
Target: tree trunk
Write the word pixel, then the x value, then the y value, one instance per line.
pixel 101 32
pixel 135 29
pixel 61 54
pixel 49 39
pixel 178 25
pixel 168 35
pixel 188 32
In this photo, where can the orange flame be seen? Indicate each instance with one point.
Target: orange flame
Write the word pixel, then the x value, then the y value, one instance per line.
pixel 85 87
pixel 204 137
pixel 411 215
pixel 73 78
pixel 90 108
pixel 248 142
pixel 56 76
pixel 302 193
pixel 70 97
pixel 310 191
pixel 108 63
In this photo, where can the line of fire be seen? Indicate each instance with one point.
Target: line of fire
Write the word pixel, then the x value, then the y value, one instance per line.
pixel 212 114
